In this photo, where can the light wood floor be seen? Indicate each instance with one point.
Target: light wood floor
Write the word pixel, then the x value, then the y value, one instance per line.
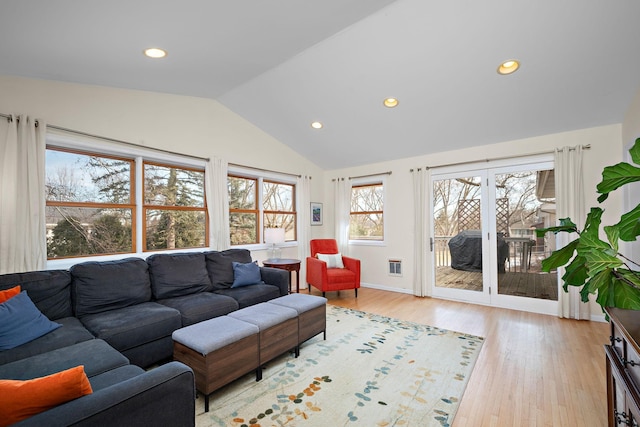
pixel 533 370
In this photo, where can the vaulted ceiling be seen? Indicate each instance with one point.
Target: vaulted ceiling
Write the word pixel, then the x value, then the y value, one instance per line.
pixel 283 64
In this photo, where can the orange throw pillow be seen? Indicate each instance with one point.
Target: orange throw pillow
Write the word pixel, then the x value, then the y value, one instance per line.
pixel 23 399
pixel 8 293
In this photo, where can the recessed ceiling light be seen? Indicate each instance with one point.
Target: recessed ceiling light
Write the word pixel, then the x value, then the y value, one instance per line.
pixel 508 67
pixel 316 125
pixel 154 52
pixel 390 102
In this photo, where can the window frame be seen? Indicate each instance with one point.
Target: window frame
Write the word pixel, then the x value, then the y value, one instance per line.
pixel 366 182
pixel 262 176
pixel 97 205
pixel 146 207
pixel 106 148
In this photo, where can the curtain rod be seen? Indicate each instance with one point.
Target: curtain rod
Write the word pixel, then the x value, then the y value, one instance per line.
pixel 493 159
pixel 371 174
pixel 362 176
pixel 119 141
pixel 265 170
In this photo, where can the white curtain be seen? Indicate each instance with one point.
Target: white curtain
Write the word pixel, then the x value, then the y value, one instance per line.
pixel 570 202
pixel 421 224
pixel 23 245
pixel 218 203
pixel 342 206
pixel 303 185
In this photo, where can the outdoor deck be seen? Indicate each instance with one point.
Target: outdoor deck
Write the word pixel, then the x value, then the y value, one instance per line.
pixel 523 284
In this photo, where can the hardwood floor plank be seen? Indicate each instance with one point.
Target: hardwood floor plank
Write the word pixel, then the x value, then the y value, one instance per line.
pixel 533 370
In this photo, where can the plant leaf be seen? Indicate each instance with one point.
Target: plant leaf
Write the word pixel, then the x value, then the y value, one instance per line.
pixel 576 273
pixel 635 152
pixel 559 257
pixel 598 255
pixel 566 225
pixel 629 225
pixel 625 296
pixel 615 176
pixel 613 235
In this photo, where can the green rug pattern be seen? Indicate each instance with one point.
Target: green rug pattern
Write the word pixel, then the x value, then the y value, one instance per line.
pixel 371 371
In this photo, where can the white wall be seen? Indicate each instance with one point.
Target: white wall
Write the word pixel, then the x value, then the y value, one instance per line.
pixel 189 125
pixel 631 192
pixel 605 150
pixel 205 128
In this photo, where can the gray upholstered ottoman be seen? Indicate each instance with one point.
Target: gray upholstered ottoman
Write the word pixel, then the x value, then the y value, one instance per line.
pixel 278 328
pixel 219 350
pixel 312 314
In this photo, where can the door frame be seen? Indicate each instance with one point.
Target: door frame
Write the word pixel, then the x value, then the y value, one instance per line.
pixel 490 294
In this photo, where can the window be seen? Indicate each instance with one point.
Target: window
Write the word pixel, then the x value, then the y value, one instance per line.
pixel 256 203
pixel 174 210
pixel 91 205
pixel 367 209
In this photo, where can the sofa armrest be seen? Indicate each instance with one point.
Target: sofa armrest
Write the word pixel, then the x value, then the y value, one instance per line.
pixel 277 277
pixel 162 396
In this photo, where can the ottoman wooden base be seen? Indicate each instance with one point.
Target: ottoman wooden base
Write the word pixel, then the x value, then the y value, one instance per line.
pixel 278 327
pixel 222 366
pixel 217 353
pixel 278 339
pixel 311 323
pixel 312 314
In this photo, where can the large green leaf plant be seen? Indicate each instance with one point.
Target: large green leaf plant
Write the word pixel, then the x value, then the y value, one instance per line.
pixel 594 264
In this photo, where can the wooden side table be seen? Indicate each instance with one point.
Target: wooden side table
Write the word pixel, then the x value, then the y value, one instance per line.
pixel 288 264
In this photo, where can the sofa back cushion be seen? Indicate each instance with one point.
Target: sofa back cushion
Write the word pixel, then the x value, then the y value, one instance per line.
pixel 220 266
pixel 50 290
pixel 101 286
pixel 174 275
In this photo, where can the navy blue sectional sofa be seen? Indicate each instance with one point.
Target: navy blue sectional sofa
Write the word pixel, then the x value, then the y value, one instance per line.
pixel 117 318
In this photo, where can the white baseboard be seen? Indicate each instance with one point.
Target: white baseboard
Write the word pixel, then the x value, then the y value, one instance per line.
pixel 386 288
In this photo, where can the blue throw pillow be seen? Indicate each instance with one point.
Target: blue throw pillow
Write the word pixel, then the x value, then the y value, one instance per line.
pixel 21 322
pixel 245 274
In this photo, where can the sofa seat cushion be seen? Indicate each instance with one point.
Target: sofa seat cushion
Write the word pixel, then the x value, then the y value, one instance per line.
pixel 71 332
pixel 202 306
pixel 50 290
pixel 114 376
pixel 174 275
pixel 220 266
pixel 130 327
pixel 250 295
pixel 109 285
pixel 95 355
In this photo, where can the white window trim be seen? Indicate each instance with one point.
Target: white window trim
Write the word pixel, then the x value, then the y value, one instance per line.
pixel 366 181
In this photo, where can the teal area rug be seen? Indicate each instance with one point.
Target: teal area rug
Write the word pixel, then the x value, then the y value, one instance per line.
pixel 371 371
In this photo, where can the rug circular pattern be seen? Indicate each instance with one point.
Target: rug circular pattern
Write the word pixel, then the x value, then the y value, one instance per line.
pixel 371 371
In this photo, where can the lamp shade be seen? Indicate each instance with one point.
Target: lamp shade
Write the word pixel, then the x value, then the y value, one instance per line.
pixel 274 235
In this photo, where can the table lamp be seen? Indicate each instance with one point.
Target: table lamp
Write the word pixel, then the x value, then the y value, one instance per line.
pixel 273 237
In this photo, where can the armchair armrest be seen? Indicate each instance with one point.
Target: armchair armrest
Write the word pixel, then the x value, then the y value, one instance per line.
pixel 316 272
pixel 162 396
pixel 352 264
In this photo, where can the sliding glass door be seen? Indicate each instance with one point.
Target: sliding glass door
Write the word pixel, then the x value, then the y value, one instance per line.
pixel 483 240
pixel 457 242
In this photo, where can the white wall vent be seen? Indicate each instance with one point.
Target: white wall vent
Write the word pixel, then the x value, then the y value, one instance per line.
pixel 395 267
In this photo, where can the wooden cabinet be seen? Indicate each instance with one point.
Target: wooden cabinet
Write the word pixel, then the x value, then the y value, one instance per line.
pixel 623 368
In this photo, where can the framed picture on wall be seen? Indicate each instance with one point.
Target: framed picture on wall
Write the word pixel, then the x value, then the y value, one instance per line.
pixel 316 213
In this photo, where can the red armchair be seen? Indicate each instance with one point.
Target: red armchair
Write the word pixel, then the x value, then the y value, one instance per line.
pixel 331 279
